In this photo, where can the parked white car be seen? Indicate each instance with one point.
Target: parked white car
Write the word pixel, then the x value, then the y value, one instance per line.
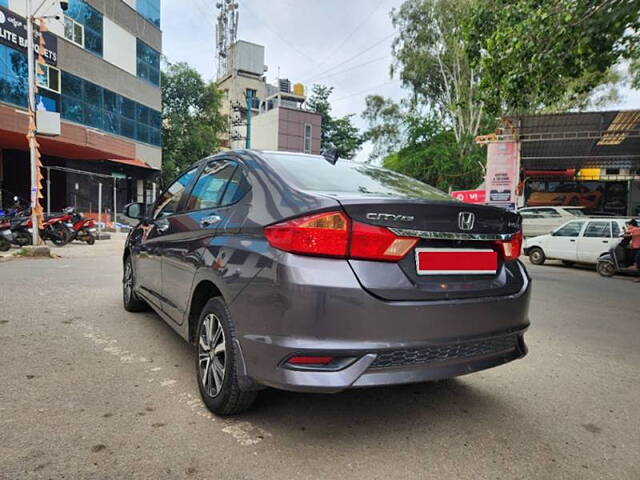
pixel 577 241
pixel 541 220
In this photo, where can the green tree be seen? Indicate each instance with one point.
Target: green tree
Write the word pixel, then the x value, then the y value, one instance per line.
pixel 385 120
pixel 191 117
pixel 339 133
pixel 434 155
pixel 537 55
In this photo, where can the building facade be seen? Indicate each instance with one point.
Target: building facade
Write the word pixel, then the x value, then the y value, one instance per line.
pixel 102 75
pixel 278 119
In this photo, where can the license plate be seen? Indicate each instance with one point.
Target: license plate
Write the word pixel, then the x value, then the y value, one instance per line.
pixel 456 261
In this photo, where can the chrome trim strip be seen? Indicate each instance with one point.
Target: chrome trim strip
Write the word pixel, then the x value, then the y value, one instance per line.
pixel 405 232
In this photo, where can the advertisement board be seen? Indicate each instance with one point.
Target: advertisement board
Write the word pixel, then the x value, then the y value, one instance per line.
pixel 470 196
pixel 13 33
pixel 503 172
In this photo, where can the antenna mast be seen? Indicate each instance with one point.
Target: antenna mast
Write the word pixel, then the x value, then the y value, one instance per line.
pixel 226 33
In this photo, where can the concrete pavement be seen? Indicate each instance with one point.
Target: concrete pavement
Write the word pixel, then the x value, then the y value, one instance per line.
pixel 88 390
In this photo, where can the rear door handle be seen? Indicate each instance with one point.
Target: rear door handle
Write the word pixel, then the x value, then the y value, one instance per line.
pixel 572 241
pixel 210 220
pixel 605 241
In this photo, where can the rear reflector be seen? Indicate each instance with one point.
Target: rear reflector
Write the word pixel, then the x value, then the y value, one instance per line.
pixel 458 261
pixel 310 360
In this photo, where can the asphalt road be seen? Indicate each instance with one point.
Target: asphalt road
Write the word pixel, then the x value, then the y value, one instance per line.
pixel 90 391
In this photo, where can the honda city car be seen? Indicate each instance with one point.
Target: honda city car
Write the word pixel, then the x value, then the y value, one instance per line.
pixel 301 273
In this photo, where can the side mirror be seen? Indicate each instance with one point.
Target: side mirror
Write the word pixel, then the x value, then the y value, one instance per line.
pixel 135 210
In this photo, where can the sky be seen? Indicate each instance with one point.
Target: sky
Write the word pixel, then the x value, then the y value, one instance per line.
pixel 345 44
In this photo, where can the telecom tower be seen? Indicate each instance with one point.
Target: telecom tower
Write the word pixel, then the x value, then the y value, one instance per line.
pixel 226 33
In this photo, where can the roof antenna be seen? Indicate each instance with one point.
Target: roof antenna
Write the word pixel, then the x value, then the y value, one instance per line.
pixel 330 155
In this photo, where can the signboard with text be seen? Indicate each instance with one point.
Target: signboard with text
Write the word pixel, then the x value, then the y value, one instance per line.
pixel 13 33
pixel 503 172
pixel 470 196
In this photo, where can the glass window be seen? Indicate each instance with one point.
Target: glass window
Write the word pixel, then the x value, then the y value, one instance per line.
pixel 168 202
pixel 74 31
pixel 309 172
pixel 615 229
pixel 13 76
pixel 598 230
pixel 72 110
pixel 71 86
pixel 576 212
pixel 547 212
pixel 111 101
pixel 128 108
pixel 148 63
pixel 149 9
pixel 209 190
pixel 569 230
pixel 236 189
pixel 307 138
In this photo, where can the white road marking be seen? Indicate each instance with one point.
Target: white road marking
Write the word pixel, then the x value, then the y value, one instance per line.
pixel 245 433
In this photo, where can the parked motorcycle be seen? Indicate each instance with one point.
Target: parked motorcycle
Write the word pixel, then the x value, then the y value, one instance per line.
pixel 52 229
pixel 620 259
pixel 81 228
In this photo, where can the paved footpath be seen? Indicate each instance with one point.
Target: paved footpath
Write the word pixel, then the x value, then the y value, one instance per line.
pixel 88 391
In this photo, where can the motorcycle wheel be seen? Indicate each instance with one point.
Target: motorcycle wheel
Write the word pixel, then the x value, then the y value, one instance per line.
pixel 89 238
pixel 4 245
pixel 606 269
pixel 22 238
pixel 59 235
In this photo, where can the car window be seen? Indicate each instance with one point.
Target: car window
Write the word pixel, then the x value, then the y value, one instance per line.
pixel 569 230
pixel 615 229
pixel 598 230
pixel 576 212
pixel 170 199
pixel 312 172
pixel 548 212
pixel 236 189
pixel 209 188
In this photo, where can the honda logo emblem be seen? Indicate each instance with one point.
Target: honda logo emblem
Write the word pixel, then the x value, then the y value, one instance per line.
pixel 466 220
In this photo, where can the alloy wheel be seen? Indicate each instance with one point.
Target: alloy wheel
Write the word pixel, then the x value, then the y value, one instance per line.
pixel 211 355
pixel 127 281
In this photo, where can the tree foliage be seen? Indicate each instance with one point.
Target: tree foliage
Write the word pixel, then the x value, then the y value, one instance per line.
pixel 385 119
pixel 339 133
pixel 434 155
pixel 537 55
pixel 191 117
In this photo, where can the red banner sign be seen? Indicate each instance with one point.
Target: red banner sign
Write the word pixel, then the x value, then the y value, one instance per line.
pixel 470 196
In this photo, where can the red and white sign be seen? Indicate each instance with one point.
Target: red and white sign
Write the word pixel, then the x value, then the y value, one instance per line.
pixel 456 261
pixel 470 196
pixel 503 168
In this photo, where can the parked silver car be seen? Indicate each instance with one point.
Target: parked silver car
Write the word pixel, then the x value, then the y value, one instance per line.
pixel 541 220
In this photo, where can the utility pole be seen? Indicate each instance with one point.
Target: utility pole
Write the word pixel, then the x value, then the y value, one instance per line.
pixel 249 96
pixel 31 134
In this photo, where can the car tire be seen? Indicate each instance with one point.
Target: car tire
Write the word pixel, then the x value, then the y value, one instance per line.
pixel 606 269
pixel 536 256
pixel 131 301
pixel 568 263
pixel 218 360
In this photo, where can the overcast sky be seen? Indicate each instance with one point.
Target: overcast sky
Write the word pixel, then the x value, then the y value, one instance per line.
pixel 341 43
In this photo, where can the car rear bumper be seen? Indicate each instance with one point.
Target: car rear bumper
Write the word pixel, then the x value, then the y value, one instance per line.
pixel 323 310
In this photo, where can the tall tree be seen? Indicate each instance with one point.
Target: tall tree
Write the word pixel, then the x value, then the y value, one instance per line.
pixel 431 58
pixel 339 133
pixel 538 55
pixel 386 126
pixel 192 122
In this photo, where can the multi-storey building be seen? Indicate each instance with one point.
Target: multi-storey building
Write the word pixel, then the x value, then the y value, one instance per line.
pixel 102 75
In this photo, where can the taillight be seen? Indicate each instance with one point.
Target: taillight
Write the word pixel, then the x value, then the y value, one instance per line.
pixel 321 234
pixel 378 243
pixel 512 249
pixel 334 234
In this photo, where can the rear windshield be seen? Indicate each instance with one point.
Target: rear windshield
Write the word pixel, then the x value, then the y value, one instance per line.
pixel 576 212
pixel 316 174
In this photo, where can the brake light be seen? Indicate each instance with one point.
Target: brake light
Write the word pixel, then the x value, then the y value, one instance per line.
pixel 378 243
pixel 321 234
pixel 512 249
pixel 333 234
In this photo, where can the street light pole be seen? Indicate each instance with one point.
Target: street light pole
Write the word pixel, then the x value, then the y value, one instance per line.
pixel 32 120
